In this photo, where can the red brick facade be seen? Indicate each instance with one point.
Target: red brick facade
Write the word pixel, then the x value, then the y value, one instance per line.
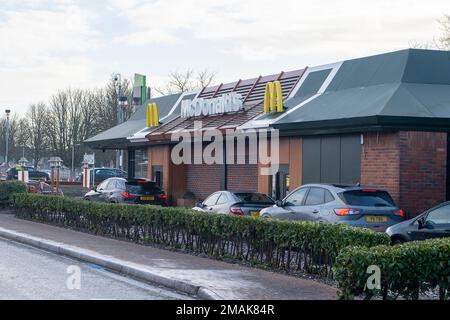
pixel 410 165
pixel 380 162
pixel 243 177
pixel 423 167
pixel 203 179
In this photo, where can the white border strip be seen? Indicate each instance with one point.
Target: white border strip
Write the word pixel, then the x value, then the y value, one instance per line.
pixel 255 123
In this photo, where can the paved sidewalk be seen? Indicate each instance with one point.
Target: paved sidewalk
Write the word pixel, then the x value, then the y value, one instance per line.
pixel 227 281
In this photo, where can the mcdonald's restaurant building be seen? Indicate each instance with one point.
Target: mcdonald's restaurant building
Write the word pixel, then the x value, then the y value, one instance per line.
pixel 380 121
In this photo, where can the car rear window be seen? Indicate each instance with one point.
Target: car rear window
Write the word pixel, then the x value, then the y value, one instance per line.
pixel 367 198
pixel 136 187
pixel 253 197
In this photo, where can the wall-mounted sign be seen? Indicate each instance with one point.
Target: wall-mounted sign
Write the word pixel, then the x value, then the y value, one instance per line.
pixel 89 159
pixel 230 102
pixel 273 98
pixel 152 118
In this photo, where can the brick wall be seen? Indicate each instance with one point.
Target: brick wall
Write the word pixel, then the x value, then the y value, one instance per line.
pixel 380 162
pixel 411 166
pixel 243 177
pixel 423 162
pixel 203 179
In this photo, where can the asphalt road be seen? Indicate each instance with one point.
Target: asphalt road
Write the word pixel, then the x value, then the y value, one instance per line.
pixel 28 273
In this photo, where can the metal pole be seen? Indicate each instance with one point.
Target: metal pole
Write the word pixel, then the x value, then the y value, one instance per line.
pixel 72 173
pixel 118 79
pixel 7 138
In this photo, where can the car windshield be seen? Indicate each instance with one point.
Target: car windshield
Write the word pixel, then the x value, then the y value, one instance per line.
pixel 367 198
pixel 253 197
pixel 137 187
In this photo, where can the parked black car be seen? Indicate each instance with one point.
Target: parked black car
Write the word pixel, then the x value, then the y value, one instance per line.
pixel 236 203
pixel 327 203
pixel 131 191
pixel 11 174
pixel 101 174
pixel 433 223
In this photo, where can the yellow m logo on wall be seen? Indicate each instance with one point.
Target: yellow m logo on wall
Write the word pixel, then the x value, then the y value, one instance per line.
pixel 273 98
pixel 152 115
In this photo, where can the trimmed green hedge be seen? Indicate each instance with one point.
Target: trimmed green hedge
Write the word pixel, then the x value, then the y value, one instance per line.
pixel 277 244
pixel 8 188
pixel 407 270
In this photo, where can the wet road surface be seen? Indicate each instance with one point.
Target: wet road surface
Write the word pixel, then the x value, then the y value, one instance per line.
pixel 29 273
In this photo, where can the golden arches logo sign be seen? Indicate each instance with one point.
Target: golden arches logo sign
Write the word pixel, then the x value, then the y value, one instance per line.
pixel 152 115
pixel 273 97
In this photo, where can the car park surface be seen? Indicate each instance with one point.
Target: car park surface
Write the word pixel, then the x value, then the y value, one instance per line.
pixel 327 203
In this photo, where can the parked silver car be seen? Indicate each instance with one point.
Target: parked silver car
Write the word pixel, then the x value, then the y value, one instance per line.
pixel 356 206
pixel 235 203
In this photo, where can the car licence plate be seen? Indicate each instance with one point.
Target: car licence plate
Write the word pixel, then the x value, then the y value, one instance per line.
pixel 254 213
pixel 381 219
pixel 147 198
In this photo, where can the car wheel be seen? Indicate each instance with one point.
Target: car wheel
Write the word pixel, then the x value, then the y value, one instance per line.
pixel 397 240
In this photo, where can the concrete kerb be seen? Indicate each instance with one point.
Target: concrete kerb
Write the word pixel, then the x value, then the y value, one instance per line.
pixel 115 265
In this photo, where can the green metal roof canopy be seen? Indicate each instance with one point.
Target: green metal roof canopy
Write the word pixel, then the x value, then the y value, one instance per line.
pixel 403 89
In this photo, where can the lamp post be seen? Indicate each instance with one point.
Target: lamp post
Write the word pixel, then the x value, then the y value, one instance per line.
pixel 7 112
pixel 118 81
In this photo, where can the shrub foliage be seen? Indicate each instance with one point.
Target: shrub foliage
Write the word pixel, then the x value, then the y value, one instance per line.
pixel 8 188
pixel 407 270
pixel 296 246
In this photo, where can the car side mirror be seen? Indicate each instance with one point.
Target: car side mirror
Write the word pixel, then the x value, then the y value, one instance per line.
pixel 424 224
pixel 428 225
pixel 279 203
pixel 200 205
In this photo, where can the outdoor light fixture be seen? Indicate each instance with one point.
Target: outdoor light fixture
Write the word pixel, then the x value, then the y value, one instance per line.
pixel 7 112
pixel 23 161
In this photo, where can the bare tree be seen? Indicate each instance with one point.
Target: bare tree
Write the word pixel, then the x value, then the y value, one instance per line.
pixel 441 43
pixel 14 153
pixel 205 78
pixel 186 81
pixel 37 121
pixel 444 40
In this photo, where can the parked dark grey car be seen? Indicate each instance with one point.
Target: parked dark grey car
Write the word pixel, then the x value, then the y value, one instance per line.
pixel 236 203
pixel 356 206
pixel 131 191
pixel 433 223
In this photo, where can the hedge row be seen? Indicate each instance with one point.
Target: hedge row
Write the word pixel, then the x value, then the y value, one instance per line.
pixel 407 270
pixel 8 188
pixel 277 244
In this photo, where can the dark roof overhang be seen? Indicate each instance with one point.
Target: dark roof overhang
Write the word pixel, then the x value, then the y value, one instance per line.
pixel 363 124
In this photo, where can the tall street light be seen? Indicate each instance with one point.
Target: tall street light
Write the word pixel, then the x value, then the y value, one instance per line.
pixel 7 112
pixel 118 81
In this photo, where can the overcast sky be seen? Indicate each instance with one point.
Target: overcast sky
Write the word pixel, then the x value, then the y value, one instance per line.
pixel 46 45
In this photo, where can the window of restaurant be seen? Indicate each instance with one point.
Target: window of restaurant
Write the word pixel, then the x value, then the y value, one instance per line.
pixel 141 163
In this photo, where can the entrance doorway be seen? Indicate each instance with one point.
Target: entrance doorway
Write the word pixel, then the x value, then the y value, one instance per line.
pixel 157 174
pixel 280 183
